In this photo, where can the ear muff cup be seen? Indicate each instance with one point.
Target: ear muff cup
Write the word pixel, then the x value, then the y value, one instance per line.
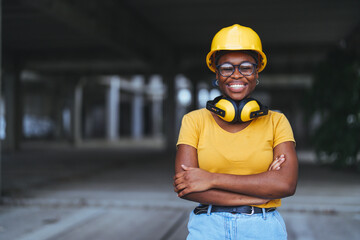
pixel 232 111
pixel 246 107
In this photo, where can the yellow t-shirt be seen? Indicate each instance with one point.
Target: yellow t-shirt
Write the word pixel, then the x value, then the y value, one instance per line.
pixel 249 151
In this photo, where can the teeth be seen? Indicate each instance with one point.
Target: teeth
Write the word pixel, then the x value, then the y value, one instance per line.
pixel 237 86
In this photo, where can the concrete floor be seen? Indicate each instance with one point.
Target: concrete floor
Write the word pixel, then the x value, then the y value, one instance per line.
pixel 110 194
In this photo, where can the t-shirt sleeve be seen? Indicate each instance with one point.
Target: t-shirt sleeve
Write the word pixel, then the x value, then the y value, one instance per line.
pixel 189 132
pixel 283 131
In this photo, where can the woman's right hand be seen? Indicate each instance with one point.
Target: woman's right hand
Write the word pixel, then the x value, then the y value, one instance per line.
pixel 191 180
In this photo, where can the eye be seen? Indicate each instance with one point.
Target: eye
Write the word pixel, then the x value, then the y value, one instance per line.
pixel 246 67
pixel 226 68
pixel 226 65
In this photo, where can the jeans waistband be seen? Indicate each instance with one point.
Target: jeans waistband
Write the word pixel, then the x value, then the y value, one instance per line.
pixel 249 210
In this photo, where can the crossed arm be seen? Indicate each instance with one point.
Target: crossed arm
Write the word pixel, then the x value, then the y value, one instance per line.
pixel 195 184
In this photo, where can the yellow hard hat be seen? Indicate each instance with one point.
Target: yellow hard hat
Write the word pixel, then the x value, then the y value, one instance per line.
pixel 235 37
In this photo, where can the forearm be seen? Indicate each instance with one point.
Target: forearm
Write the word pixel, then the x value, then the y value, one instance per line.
pixel 270 185
pixel 223 198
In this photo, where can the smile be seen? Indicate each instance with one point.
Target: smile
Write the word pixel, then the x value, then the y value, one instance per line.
pixel 236 86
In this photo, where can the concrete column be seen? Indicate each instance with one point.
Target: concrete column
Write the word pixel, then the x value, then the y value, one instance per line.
pixel 166 58
pixel 194 100
pixel 13 110
pixel 112 109
pixel 170 107
pixel 184 99
pixel 156 91
pixel 137 112
pixel 202 95
pixel 58 101
pixel 76 115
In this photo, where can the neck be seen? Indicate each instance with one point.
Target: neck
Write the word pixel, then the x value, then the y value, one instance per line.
pixel 230 127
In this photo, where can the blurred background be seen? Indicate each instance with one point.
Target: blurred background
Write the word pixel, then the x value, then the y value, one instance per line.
pixel 93 93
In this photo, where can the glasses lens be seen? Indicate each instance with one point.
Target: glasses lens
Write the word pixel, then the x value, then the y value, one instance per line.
pixel 246 68
pixel 226 69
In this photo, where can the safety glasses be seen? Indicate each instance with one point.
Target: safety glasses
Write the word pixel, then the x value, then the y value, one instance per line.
pixel 245 68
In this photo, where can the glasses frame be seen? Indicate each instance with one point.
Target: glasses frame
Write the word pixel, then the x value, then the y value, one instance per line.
pixel 238 67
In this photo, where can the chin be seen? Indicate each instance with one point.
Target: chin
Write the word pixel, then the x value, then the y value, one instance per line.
pixel 236 97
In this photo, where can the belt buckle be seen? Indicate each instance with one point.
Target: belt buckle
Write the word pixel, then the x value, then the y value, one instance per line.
pixel 252 211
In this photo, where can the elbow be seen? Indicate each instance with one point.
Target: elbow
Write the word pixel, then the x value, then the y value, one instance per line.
pixel 291 191
pixel 287 190
pixel 283 190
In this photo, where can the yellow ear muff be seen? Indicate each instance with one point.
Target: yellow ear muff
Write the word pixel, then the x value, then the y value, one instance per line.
pixel 247 109
pixel 228 107
pixel 231 111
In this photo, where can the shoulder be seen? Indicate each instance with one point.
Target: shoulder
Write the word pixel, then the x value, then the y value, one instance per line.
pixel 275 115
pixel 274 118
pixel 281 128
pixel 192 126
pixel 198 115
pixel 198 119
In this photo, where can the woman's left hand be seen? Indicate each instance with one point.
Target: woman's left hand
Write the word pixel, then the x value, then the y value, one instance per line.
pixel 276 164
pixel 191 180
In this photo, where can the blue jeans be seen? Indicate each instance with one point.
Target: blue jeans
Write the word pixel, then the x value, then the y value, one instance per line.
pixel 223 225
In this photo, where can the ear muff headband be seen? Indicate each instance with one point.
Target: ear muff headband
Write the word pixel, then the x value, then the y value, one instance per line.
pixel 231 111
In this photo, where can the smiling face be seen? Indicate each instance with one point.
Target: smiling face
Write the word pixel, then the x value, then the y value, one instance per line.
pixel 237 86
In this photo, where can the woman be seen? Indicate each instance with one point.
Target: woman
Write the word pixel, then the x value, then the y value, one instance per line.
pixel 236 158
